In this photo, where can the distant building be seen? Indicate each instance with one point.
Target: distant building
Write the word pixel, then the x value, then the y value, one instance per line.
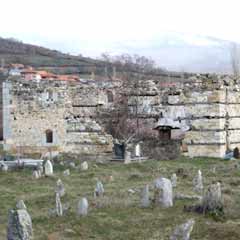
pixel 31 75
pixel 15 69
pixel 15 72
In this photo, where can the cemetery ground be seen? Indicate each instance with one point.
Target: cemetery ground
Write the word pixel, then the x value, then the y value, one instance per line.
pixel 117 214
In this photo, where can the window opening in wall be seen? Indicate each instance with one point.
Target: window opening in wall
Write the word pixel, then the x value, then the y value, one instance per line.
pixel 110 96
pixel 49 136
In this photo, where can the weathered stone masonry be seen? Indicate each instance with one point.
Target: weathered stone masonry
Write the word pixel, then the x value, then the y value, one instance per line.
pixel 32 111
pixel 206 105
pixel 48 115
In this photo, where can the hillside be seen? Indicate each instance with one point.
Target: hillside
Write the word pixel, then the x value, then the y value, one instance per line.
pixel 14 51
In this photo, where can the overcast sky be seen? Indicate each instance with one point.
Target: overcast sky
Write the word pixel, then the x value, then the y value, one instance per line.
pixel 92 26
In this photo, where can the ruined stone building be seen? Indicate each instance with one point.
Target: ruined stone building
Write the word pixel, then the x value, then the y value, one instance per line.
pixel 52 115
pixel 202 109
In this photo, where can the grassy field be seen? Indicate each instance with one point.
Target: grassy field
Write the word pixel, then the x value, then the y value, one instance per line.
pixel 118 215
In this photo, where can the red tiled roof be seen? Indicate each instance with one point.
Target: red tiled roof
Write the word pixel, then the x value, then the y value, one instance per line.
pixel 17 65
pixel 45 74
pixel 28 71
pixel 67 77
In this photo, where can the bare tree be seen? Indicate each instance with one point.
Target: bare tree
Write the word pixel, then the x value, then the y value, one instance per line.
pixel 124 122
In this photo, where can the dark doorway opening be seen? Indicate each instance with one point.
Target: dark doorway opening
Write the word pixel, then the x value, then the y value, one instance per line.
pixel 165 134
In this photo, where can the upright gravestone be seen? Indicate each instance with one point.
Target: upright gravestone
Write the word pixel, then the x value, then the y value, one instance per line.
pixel 35 174
pixel 99 190
pixel 137 150
pixel 66 172
pixel 84 166
pixel 212 199
pixel 59 209
pixel 48 167
pixel 198 182
pixel 4 167
pixel 19 225
pixel 174 180
pixel 82 208
pixel 183 231
pixel 72 164
pixel 163 194
pixel 127 157
pixel 60 188
pixel 145 200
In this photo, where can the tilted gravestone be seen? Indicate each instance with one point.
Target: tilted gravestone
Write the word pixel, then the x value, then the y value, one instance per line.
pixel 19 224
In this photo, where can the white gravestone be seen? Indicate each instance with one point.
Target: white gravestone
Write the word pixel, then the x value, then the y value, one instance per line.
pixel 66 172
pixel 163 192
pixel 35 174
pixel 82 208
pixel 84 166
pixel 137 150
pixel 4 167
pixel 48 167
pixel 99 190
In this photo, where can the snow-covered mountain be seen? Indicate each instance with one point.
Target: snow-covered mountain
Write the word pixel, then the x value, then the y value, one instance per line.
pixel 183 52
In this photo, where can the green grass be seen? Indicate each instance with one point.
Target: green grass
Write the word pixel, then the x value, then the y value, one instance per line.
pixel 118 215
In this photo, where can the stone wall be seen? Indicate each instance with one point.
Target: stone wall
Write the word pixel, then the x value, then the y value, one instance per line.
pixel 208 104
pixel 205 105
pixel 31 109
